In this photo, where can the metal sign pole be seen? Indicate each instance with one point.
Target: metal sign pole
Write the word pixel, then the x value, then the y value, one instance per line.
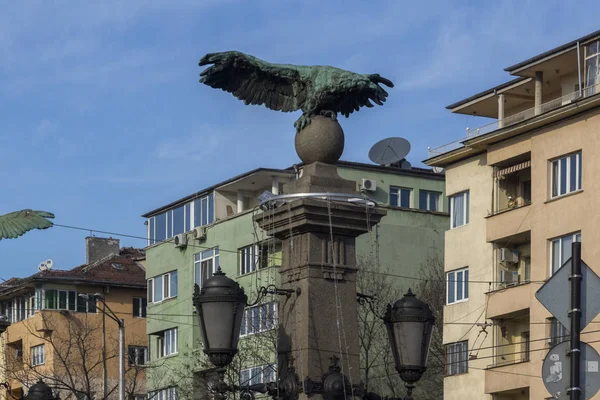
pixel 575 314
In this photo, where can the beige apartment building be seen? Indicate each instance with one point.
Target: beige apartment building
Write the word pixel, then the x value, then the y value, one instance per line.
pixel 521 190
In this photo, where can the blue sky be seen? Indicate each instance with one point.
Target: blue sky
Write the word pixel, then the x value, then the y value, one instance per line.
pixel 102 117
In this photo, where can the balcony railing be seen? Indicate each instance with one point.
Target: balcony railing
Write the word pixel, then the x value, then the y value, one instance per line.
pixel 513 119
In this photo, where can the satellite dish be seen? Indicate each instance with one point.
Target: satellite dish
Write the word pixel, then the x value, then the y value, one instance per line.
pixel 45 265
pixel 405 165
pixel 389 151
pixel 438 170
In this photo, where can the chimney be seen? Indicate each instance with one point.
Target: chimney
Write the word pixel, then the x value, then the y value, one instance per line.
pixel 97 248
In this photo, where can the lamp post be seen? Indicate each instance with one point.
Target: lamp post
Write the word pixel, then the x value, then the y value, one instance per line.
pixel 121 323
pixel 409 322
pixel 40 391
pixel 220 308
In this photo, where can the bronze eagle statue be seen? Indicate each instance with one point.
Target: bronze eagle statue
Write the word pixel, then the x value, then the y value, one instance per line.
pixel 316 90
pixel 17 223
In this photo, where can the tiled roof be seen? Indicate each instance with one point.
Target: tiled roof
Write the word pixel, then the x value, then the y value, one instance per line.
pixel 115 270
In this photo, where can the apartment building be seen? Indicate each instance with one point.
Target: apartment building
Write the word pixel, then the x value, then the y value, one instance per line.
pixel 58 334
pixel 190 237
pixel 522 188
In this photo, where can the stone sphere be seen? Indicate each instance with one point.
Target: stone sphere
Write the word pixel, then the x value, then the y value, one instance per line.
pixel 322 140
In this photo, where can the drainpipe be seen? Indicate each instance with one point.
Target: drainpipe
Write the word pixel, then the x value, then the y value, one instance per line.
pixel 579 82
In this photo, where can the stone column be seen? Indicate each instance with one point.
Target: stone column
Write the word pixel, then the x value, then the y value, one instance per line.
pixel 240 201
pixel 319 259
pixel 539 85
pixel 501 110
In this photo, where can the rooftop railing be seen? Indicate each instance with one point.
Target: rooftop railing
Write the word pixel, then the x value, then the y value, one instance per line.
pixel 514 119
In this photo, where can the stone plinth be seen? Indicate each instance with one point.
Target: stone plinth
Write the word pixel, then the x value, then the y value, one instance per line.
pixel 322 269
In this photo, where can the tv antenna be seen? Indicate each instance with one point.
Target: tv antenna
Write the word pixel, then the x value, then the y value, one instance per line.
pixel 389 151
pixel 45 265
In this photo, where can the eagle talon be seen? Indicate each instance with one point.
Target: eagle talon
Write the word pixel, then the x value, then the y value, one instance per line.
pixel 302 122
pixel 330 114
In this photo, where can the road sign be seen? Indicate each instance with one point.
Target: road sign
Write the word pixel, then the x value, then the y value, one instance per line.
pixel 555 294
pixel 556 370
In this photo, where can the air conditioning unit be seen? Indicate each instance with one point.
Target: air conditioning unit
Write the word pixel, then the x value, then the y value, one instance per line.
pixel 200 233
pixel 368 185
pixel 509 256
pixel 510 278
pixel 180 240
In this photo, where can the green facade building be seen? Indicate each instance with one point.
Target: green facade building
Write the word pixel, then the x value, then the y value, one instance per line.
pixel 214 227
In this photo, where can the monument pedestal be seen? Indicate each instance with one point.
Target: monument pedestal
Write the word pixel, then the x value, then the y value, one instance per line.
pixel 319 259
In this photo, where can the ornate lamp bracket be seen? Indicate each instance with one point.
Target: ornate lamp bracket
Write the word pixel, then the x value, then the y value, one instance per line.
pixel 272 289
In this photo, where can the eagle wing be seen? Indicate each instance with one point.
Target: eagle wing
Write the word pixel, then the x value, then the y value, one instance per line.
pixel 277 86
pixel 360 92
pixel 17 223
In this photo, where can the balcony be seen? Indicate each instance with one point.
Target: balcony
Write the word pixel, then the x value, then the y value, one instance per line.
pixel 517 114
pixel 512 259
pixel 511 353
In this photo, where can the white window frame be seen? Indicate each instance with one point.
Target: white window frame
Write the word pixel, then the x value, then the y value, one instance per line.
pixel 428 199
pixel 201 257
pixel 397 192
pixel 258 374
pixel 466 205
pixel 136 357
pixel 454 361
pixel 576 237
pixel 171 341
pixel 169 393
pixel 578 171
pixel 558 332
pixel 38 356
pixel 165 287
pixel 141 310
pixel 255 257
pixel 454 281
pixel 267 315
pixel 591 89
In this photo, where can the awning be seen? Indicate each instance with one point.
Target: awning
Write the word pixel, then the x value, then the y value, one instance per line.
pixel 514 168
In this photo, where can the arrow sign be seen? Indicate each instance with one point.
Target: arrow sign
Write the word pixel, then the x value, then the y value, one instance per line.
pixel 555 294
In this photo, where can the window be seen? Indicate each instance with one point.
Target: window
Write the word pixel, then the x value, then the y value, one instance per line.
pixel 566 174
pixel 526 345
pixel 457 288
pixel 558 332
pixel 37 355
pixel 205 265
pixel 182 219
pixel 400 197
pixel 259 318
pixel 561 250
pixel 459 209
pixel 137 355
pixel 204 210
pixel 252 257
pixel 169 393
pixel 87 306
pixel 167 342
pixel 592 67
pixel 60 299
pixel 457 358
pixel 260 374
pixel 429 200
pixel 162 287
pixel 139 307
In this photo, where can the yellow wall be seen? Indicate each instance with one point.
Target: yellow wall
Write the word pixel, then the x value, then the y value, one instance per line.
pixel 62 332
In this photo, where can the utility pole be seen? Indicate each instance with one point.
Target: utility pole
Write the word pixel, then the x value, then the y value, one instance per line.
pixel 575 315
pixel 121 359
pixel 104 371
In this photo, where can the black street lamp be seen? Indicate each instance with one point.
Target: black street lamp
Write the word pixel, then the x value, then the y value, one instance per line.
pixel 409 323
pixel 220 306
pixel 40 391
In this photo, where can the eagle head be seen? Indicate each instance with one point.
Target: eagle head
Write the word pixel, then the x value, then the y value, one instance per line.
pixel 376 78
